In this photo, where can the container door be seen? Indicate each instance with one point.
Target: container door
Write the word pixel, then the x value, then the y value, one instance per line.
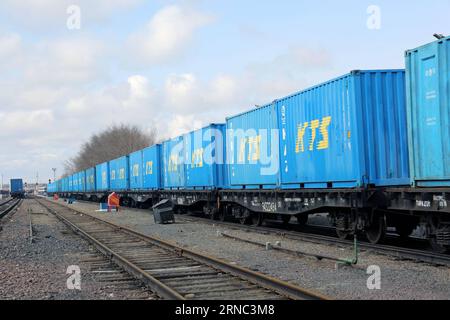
pixel 429 120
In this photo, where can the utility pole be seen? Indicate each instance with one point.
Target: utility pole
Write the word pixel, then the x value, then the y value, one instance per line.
pixel 37 183
pixel 54 174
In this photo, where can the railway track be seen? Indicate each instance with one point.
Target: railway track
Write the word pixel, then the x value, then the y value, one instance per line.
pixel 388 250
pixel 397 252
pixel 8 206
pixel 173 272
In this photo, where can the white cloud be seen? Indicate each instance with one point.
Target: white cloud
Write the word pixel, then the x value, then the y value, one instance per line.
pixel 75 60
pixel 167 34
pixel 10 51
pixel 181 124
pixel 10 45
pixel 23 122
pixel 181 90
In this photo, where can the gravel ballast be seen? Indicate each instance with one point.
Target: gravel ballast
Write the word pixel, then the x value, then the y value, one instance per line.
pixel 399 279
pixel 38 270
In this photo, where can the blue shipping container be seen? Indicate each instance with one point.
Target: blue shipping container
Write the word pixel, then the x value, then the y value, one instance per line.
pixel 136 179
pixel 348 132
pixel 75 182
pixel 70 184
pixel 82 181
pixel 119 174
pixel 16 185
pixel 90 180
pixel 173 164
pixel 102 177
pixel 151 159
pixel 66 184
pixel 428 93
pixel 205 151
pixel 249 164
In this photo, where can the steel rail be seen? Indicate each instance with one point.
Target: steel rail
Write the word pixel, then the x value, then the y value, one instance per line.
pixel 158 287
pixel 15 204
pixel 387 250
pixel 283 288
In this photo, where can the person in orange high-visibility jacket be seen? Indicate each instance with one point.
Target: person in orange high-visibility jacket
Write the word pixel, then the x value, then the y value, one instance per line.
pixel 113 201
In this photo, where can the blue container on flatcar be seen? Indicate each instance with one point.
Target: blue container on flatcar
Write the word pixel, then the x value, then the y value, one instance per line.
pixel 70 184
pixel 90 180
pixel 102 177
pixel 66 184
pixel 59 185
pixel 345 133
pixel 136 171
pixel 119 174
pixel 50 187
pixel 173 164
pixel 82 181
pixel 205 151
pixel 151 169
pixel 75 182
pixel 253 149
pixel 428 96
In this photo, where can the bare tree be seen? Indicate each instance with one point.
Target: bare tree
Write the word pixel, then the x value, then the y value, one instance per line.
pixel 114 142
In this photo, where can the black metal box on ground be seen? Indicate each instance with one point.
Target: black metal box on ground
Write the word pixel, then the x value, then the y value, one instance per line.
pixel 163 212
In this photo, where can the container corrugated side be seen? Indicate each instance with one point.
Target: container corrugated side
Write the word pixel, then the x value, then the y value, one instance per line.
pixel 428 93
pixel 173 164
pixel 205 157
pixel 75 182
pixel 90 179
pixel 70 184
pixel 65 184
pixel 102 177
pixel 151 159
pixel 136 178
pixel 119 174
pixel 253 149
pixel 346 133
pixel 82 181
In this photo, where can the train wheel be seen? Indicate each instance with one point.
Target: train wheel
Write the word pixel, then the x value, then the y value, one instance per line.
pixel 343 227
pixel 302 219
pixel 376 232
pixel 258 219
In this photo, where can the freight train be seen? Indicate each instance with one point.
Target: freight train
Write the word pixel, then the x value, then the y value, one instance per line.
pixel 371 148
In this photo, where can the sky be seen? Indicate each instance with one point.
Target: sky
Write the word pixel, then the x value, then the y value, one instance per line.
pixel 70 68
